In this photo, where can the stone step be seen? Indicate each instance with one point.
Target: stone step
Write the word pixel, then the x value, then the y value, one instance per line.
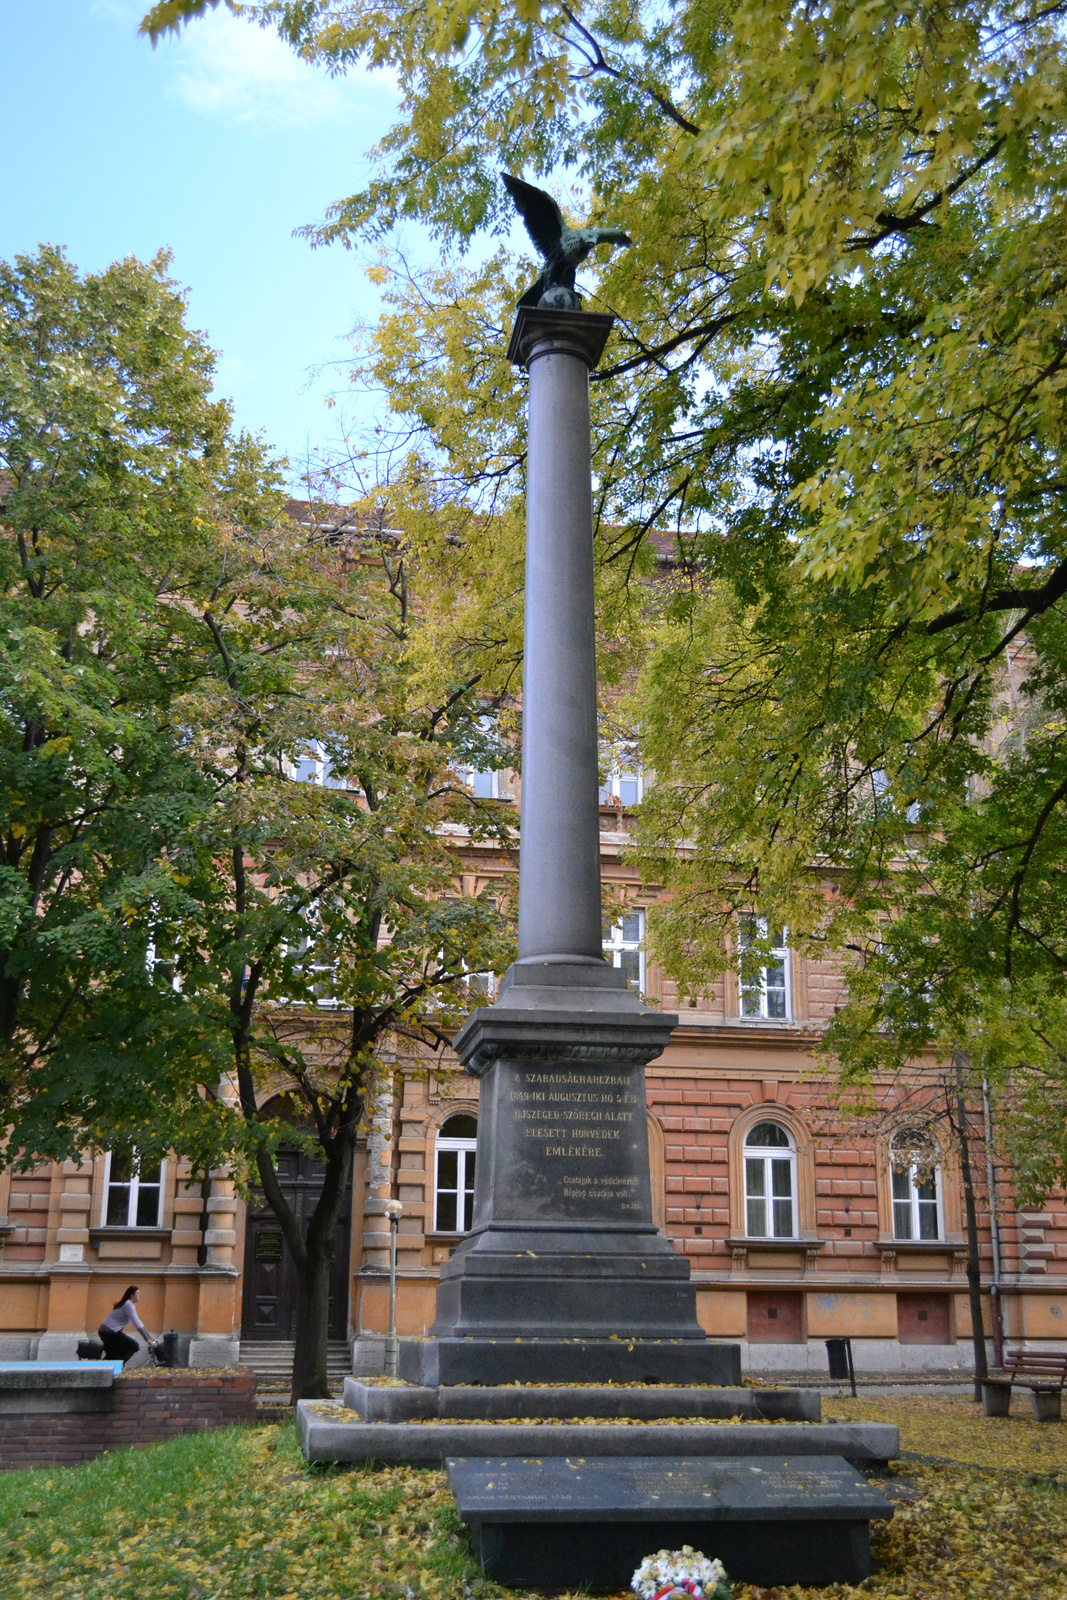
pixel 412 1403
pixel 330 1433
pixel 272 1362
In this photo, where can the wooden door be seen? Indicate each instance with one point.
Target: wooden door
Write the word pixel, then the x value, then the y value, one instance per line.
pixel 269 1293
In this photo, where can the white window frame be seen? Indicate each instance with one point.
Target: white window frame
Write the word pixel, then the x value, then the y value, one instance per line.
pixel 913 1201
pixel 616 944
pixel 611 788
pixel 487 994
pixel 483 784
pixel 319 763
pixel 133 1195
pixel 324 1002
pixel 766 1154
pixel 759 988
pixel 463 1148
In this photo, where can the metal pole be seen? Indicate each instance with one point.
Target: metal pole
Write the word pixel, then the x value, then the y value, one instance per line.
pixel 994 1228
pixel 393 1210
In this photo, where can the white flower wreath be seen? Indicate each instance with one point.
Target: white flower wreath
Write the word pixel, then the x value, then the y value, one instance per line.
pixel 669 1569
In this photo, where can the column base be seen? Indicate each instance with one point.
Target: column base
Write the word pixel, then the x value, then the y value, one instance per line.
pixel 58 1346
pixel 442 1362
pixel 214 1352
pixel 563 1283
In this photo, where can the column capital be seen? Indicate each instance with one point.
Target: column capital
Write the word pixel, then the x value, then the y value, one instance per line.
pixel 541 332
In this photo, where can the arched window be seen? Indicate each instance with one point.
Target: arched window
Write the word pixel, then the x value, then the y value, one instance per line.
pixel 455 1150
pixel 770 1182
pixel 916 1174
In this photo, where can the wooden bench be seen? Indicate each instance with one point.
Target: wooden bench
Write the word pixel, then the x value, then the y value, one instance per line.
pixel 1042 1372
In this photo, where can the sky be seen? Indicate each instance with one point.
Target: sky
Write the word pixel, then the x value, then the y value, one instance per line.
pixel 216 145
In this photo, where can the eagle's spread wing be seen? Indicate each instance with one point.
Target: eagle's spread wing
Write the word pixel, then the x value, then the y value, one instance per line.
pixel 540 213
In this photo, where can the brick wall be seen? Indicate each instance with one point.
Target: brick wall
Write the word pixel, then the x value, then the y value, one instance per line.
pixel 147 1407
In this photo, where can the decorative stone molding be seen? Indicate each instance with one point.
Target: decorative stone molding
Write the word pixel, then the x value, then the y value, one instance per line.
pixel 75 1203
pixel 495 1035
pixel 221 1236
pixel 540 333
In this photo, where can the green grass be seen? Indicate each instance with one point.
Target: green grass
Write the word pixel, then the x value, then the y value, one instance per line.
pixel 232 1515
pixel 239 1515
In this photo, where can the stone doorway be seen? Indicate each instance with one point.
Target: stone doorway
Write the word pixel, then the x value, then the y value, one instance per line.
pixel 268 1310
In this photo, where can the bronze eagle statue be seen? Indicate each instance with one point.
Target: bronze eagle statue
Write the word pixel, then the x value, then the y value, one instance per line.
pixel 562 249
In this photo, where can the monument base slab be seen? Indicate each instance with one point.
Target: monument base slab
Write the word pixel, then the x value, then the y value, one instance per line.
pixel 330 1434
pixel 646 1403
pixel 431 1362
pixel 568 1523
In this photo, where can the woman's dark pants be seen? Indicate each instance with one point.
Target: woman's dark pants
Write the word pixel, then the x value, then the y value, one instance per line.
pixel 118 1346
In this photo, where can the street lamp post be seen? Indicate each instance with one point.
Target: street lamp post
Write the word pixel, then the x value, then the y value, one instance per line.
pixel 394 1211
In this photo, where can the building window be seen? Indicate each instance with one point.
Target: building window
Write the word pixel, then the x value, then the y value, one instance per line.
pixel 480 987
pixel 623 783
pixel 484 783
pixel 316 766
pixel 622 947
pixel 770 1182
pixel 455 1151
pixel 764 990
pixel 916 1180
pixel 315 962
pixel 133 1194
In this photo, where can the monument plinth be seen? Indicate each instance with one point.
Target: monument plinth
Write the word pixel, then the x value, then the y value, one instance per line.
pixel 564 1273
pixel 564 1523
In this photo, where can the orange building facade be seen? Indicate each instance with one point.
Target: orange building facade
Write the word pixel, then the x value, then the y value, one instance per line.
pixel 796 1228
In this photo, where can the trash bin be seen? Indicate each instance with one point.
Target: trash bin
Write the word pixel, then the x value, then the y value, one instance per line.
pixel 839 1357
pixel 167 1350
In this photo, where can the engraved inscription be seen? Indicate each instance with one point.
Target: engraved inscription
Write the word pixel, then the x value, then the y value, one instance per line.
pixel 578 1116
pixel 571 1138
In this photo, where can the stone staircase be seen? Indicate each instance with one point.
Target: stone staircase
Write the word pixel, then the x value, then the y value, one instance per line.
pixel 272 1362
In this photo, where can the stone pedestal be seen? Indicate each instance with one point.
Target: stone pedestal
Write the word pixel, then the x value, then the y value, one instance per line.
pixel 570 1523
pixel 563 1254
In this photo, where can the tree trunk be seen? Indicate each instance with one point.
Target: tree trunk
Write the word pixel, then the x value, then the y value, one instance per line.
pixel 310 1381
pixel 974 1265
pixel 313 1277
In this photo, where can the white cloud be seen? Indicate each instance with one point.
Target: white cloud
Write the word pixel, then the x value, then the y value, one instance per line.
pixel 230 69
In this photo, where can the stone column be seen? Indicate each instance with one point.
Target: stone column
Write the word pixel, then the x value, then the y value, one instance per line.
pixel 69 1288
pixel 186 1238
pixel 559 856
pixel 368 1345
pixel 217 1342
pixel 565 1274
